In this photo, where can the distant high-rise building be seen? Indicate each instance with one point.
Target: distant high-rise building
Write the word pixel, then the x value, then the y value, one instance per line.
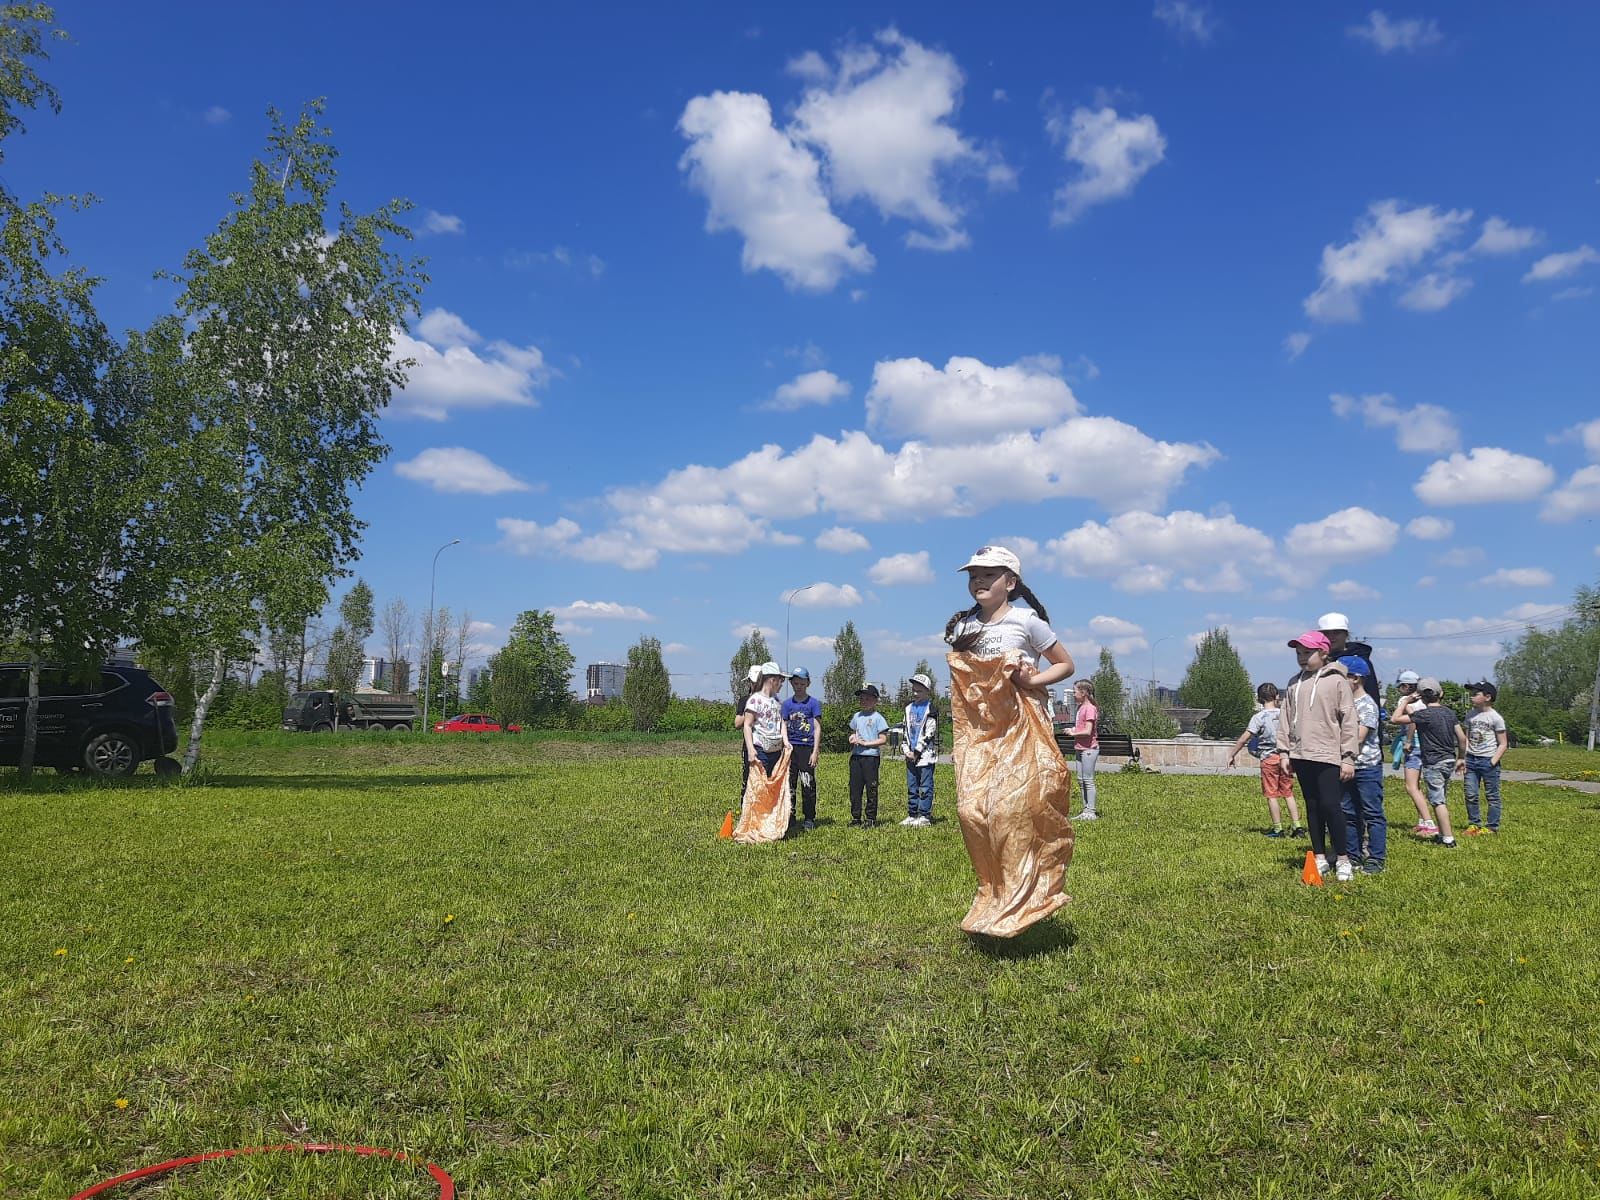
pixel 605 681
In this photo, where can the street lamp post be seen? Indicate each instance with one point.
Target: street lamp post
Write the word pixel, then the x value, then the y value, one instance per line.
pixel 427 661
pixel 787 606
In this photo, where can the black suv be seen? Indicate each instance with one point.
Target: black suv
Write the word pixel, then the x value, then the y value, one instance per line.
pixel 106 725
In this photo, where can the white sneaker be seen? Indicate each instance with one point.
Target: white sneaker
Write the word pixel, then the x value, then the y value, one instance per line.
pixel 1088 814
pixel 909 821
pixel 923 822
pixel 1322 864
pixel 1345 873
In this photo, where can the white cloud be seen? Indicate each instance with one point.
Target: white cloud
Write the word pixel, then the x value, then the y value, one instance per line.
pixel 1425 429
pixel 1142 552
pixel 1389 242
pixel 1572 293
pixel 1532 610
pixel 676 648
pixel 1112 154
pixel 1499 236
pixel 823 595
pixel 1434 291
pixel 564 537
pixel 1390 35
pixel 1350 589
pixel 457 469
pixel 216 115
pixel 777 537
pixel 444 329
pixel 1460 556
pixel 1115 634
pixel 841 540
pixel 1559 266
pixel 811 388
pixel 1430 529
pixel 814 643
pixel 1587 432
pixel 601 610
pixel 768 188
pixel 1349 534
pixel 901 569
pixel 438 222
pixel 744 631
pixel 968 398
pixel 448 374
pixel 1580 495
pixel 571 629
pixel 1295 344
pixel 1519 577
pixel 882 121
pixel 1484 475
pixel 579 263
pixel 1186 19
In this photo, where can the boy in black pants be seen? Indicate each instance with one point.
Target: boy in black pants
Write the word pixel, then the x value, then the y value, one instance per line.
pixel 868 732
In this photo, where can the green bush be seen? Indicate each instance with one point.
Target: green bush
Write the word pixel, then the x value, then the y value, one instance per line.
pixel 697 716
pixel 1144 717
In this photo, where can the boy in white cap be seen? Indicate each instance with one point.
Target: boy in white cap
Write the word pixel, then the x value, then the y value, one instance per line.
pixel 920 746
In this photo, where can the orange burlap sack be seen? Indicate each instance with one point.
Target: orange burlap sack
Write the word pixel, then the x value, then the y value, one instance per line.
pixel 1013 789
pixel 764 814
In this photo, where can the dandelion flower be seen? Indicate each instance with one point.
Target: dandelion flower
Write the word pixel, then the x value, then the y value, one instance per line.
pixel 1136 1059
pixel 122 1102
pixel 449 917
pixel 1480 1000
pixel 1344 933
pixel 128 960
pixel 61 951
pixel 1521 959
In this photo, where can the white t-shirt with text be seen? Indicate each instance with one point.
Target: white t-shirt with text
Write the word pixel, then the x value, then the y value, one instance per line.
pixel 1019 629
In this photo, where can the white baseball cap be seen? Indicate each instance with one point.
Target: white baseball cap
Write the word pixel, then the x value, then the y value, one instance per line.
pixel 919 677
pixel 769 668
pixel 994 556
pixel 754 673
pixel 1409 677
pixel 1334 620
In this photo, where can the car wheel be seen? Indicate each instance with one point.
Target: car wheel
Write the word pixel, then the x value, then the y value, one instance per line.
pixel 111 754
pixel 400 727
pixel 166 768
pixel 322 727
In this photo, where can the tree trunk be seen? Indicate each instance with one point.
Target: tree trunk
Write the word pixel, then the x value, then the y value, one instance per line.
pixel 30 720
pixel 219 669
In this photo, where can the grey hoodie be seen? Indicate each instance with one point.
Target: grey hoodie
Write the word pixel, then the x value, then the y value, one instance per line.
pixel 1319 717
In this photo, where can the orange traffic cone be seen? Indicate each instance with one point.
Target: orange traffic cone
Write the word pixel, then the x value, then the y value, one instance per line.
pixel 1309 873
pixel 727 826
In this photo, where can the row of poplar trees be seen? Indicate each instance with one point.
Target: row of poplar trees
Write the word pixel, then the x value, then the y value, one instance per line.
pixel 188 484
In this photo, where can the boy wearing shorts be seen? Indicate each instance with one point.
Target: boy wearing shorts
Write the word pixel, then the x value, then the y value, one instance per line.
pixel 1277 781
pixel 1441 737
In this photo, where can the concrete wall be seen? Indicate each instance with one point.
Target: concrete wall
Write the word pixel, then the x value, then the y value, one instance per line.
pixel 1156 753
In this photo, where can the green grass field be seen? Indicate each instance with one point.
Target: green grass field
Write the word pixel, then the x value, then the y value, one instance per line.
pixel 533 963
pixel 1563 762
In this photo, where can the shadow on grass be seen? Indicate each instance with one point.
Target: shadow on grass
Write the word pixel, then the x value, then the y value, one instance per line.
pixel 1047 937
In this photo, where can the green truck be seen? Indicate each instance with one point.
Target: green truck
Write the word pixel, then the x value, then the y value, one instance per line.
pixel 323 712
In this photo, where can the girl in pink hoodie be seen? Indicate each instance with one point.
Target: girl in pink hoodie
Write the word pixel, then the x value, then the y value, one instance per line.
pixel 1323 738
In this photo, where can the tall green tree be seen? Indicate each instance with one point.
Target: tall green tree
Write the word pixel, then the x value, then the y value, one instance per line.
pixel 847 671
pixel 347 652
pixel 68 490
pixel 531 676
pixel 288 315
pixel 1216 679
pixel 1110 694
pixel 1144 716
pixel 647 688
pixel 751 652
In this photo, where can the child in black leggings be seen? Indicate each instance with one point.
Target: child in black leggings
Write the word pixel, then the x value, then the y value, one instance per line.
pixel 1320 729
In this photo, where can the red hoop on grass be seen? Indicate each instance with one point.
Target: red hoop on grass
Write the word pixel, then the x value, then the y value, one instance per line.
pixel 447 1187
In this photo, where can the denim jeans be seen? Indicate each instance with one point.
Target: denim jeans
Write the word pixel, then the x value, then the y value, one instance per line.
pixel 1362 799
pixel 919 790
pixel 1086 764
pixel 1481 767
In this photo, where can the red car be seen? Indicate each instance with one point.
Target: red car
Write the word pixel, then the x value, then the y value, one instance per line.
pixel 473 723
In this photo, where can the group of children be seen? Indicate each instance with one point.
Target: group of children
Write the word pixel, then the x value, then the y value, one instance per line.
pixel 768 724
pixel 1324 731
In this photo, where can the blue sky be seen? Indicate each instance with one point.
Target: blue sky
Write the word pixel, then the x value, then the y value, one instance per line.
pixel 1218 313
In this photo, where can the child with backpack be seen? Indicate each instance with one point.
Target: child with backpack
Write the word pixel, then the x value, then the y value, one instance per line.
pixel 1260 737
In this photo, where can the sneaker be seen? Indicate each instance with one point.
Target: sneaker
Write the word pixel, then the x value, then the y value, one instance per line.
pixel 1345 873
pixel 1474 830
pixel 1322 865
pixel 855 821
pixel 1088 814
pixel 1373 866
pixel 808 824
pixel 910 821
pixel 923 822
pixel 1494 829
pixel 1276 833
pixel 1439 839
pixel 1299 831
pixel 869 823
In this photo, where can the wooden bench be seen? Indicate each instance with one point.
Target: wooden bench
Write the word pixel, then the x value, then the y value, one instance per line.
pixel 1112 745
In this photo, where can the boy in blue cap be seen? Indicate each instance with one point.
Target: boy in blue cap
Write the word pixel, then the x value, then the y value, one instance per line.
pixel 1367 833
pixel 803 715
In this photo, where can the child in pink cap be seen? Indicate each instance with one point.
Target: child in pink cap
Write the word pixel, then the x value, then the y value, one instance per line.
pixel 1320 730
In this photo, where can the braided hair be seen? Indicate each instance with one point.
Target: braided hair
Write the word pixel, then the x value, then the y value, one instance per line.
pixel 970 639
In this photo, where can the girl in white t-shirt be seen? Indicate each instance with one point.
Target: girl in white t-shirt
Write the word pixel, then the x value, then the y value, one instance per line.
pixel 764 733
pixel 1013 788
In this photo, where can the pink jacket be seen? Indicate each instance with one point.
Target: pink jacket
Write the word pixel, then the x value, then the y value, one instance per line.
pixel 1318 721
